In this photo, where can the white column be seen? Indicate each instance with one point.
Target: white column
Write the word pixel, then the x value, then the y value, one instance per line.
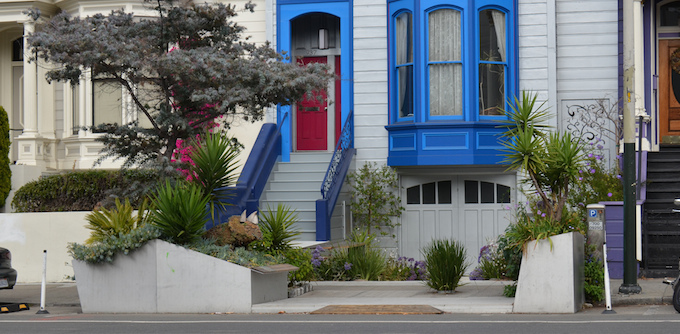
pixel 30 87
pixel 30 145
pixel 639 59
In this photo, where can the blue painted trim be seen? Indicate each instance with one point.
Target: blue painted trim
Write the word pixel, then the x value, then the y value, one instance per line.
pixel 427 135
pixel 489 147
pixel 286 12
pixel 410 136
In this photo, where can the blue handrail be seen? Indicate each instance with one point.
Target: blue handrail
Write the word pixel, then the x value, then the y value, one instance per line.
pixel 253 179
pixel 335 176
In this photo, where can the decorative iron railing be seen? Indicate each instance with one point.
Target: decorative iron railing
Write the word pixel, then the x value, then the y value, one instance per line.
pixel 340 155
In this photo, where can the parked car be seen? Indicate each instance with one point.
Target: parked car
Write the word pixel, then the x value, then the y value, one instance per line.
pixel 8 276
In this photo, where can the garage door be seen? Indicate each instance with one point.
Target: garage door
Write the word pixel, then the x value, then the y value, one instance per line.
pixel 471 209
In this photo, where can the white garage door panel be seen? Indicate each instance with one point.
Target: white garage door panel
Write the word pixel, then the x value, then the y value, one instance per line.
pixel 411 234
pixel 428 226
pixel 446 225
pixel 488 224
pixel 471 240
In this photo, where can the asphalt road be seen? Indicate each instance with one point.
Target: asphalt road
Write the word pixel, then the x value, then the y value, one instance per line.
pixel 630 319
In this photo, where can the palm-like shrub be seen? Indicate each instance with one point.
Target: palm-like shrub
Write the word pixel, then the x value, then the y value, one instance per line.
pixel 179 212
pixel 214 167
pixel 446 264
pixel 277 228
pixel 110 222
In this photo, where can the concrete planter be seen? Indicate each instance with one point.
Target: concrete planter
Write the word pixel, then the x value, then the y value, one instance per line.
pixel 551 280
pixel 162 277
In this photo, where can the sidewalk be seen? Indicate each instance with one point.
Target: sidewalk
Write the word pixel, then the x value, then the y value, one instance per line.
pixel 473 297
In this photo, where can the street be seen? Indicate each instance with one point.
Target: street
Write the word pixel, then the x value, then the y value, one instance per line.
pixel 629 319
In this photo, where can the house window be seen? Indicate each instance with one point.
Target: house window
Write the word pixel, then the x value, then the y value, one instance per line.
pixel 429 193
pixel 107 96
pixel 492 62
pixel 445 63
pixel 404 63
pixel 462 62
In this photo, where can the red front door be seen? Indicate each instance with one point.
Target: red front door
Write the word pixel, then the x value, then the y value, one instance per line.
pixel 312 117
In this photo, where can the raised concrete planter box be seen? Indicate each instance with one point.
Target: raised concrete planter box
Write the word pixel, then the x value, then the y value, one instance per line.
pixel 551 281
pixel 162 277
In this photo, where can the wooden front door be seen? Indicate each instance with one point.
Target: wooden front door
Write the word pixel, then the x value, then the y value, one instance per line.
pixel 312 117
pixel 669 89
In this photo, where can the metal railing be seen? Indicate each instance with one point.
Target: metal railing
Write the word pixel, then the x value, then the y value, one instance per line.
pixel 335 176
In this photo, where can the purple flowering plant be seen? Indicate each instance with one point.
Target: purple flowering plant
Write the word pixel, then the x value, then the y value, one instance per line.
pixel 491 263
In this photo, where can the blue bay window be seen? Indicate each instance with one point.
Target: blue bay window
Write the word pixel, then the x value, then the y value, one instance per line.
pixel 452 70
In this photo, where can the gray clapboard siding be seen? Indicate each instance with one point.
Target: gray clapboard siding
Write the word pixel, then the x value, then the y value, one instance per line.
pixel 370 80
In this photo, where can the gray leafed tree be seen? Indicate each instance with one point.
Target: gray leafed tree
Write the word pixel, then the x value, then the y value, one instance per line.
pixel 183 68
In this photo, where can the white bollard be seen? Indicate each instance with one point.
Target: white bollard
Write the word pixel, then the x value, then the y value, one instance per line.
pixel 607 287
pixel 42 288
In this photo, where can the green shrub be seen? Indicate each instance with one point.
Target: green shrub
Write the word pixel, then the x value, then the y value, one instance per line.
pixel 446 264
pixel 105 222
pixel 301 258
pixel 109 246
pixel 594 278
pixel 5 172
pixel 179 212
pixel 82 190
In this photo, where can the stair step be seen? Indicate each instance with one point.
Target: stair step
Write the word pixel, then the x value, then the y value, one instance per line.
pixel 300 176
pixel 281 195
pixel 302 166
pixel 311 157
pixel 294 185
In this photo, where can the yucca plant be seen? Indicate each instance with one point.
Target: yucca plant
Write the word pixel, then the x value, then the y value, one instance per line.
pixel 277 228
pixel 215 160
pixel 446 263
pixel 179 212
pixel 119 220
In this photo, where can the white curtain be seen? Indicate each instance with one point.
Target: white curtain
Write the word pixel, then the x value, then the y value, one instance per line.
pixel 446 78
pixel 499 26
pixel 404 55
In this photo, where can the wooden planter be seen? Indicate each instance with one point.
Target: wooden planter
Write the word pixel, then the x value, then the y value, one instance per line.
pixel 161 277
pixel 552 280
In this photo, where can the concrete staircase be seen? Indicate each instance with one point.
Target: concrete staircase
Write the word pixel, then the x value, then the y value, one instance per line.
pixel 297 185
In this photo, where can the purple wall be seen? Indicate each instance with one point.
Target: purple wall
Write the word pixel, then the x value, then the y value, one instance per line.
pixel 613 213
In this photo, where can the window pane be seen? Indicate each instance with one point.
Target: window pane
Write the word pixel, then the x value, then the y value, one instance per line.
pixel 446 93
pixel 444 45
pixel 429 193
pixel 488 192
pixel 404 62
pixel 106 100
pixel 491 89
pixel 444 35
pixel 670 14
pixel 492 35
pixel 502 194
pixel 471 192
pixel 405 77
pixel 444 192
pixel 404 36
pixel 413 195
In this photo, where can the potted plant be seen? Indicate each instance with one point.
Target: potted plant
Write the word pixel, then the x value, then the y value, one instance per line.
pixel 551 275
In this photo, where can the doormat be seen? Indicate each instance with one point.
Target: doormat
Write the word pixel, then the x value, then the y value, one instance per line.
pixel 378 309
